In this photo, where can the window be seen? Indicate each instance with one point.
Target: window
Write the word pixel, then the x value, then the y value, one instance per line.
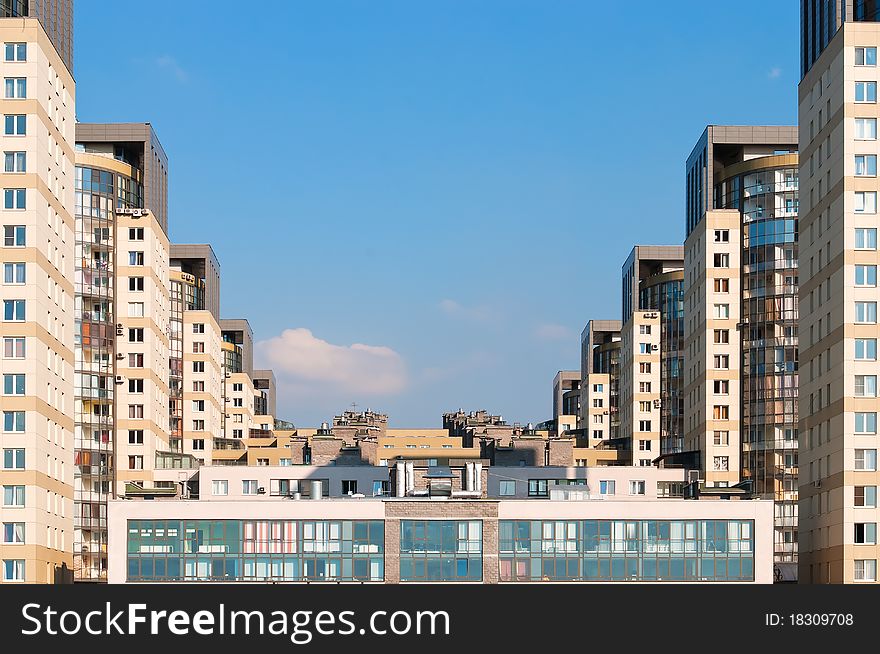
pixel 13 570
pixel 135 233
pixel 15 125
pixel 135 309
pixel 720 412
pixel 865 202
pixel 198 387
pixel 15 162
pixel 237 402
pixel 198 366
pixel 135 283
pixel 13 384
pixel 636 487
pixel 13 533
pixel 866 312
pixel 721 260
pixel 237 388
pixel 220 487
pixel 866 91
pixel 13 421
pixel 722 361
pixel 135 436
pixel 15 88
pixel 136 462
pixel 135 411
pixel 865 533
pixel 866 349
pixel 865 496
pixel 14 236
pixel 865 570
pixel 722 235
pixel 198 347
pixel 644 425
pixel 866 56
pixel 198 444
pixel 13 496
pixel 721 463
pixel 722 285
pixel 198 328
pixel 136 335
pixel 198 425
pixel 249 487
pixel 135 360
pixel 866 129
pixel 135 385
pixel 598 388
pixel 607 487
pixel 644 329
pixel 135 258
pixel 644 348
pixel 14 198
pixel 597 433
pixel 644 387
pixel 598 403
pixel 14 310
pixel 866 238
pixel 13 459
pixel 198 405
pixel 866 275
pixel 644 446
pixel 720 336
pixel 14 273
pixel 645 367
pixel 866 165
pixel 645 407
pixel 349 486
pixel 538 488
pixel 865 459
pixel 721 437
pixel 866 422
pixel 14 347
pixel 721 386
pixel 15 52
pixel 866 385
pixel 507 488
pixel 721 311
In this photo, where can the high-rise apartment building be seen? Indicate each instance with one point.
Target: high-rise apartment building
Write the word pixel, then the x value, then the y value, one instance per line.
pixel 56 17
pixel 600 383
pixel 122 319
pixel 837 114
pixel 741 303
pixel 37 297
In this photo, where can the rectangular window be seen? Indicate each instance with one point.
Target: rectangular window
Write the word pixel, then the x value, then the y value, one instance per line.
pixel 135 258
pixel 721 361
pixel 866 238
pixel 865 202
pixel 598 388
pixel 135 233
pixel 721 336
pixel 865 569
pixel 13 533
pixel 135 360
pixel 538 488
pixel 720 412
pixel 220 487
pixel 722 311
pixel 135 436
pixel 198 328
pixel 237 402
pixel 866 275
pixel 866 91
pixel 135 284
pixel 721 387
pixel 198 405
pixel 865 460
pixel 721 260
pixel 14 198
pixel 866 312
pixel 721 437
pixel 15 52
pixel 866 165
pixel 14 310
pixel 13 384
pixel 636 487
pixel 13 459
pixel 866 56
pixel 15 162
pixel 644 387
pixel 198 425
pixel 136 335
pixel 14 236
pixel 135 411
pixel 865 496
pixel 721 463
pixel 722 236
pixel 644 329
pixel 645 407
pixel 644 425
pixel 13 496
pixel 866 385
pixel 198 387
pixel 865 533
pixel 645 367
pixel 198 347
pixel 237 388
pixel 644 446
pixel 722 285
pixel 507 488
pixel 198 444
pixel 866 129
pixel 136 462
pixel 13 570
pixel 644 348
pixel 14 347
pixel 13 421
pixel 135 309
pixel 15 88
pixel 135 385
pixel 14 273
pixel 866 349
pixel 607 487
pixel 249 487
pixel 198 366
pixel 866 422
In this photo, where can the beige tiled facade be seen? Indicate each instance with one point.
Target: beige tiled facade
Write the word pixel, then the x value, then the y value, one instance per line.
pixel 37 326
pixel 640 386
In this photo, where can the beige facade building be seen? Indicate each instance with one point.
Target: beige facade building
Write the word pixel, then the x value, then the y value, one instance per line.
pixel 712 346
pixel 640 387
pixel 838 114
pixel 37 297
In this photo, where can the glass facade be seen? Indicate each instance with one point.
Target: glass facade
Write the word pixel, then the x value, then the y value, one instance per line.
pixel 626 550
pixel 187 294
pixel 97 194
pixel 256 550
pixel 441 550
pixel 768 200
pixel 606 360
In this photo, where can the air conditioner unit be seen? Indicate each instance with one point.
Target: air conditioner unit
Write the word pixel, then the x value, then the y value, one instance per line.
pixel 655 347
pixel 119 379
pixel 817 483
pixel 120 356
pixel 656 404
pixel 261 491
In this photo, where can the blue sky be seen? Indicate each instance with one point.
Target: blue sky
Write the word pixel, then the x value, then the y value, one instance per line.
pixel 419 204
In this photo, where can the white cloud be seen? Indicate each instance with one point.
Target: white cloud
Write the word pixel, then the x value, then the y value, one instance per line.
pixel 169 63
pixel 480 313
pixel 774 72
pixel 553 332
pixel 301 360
